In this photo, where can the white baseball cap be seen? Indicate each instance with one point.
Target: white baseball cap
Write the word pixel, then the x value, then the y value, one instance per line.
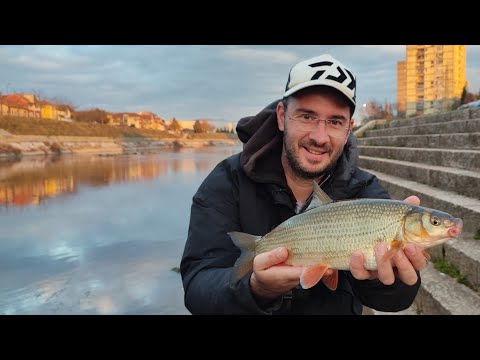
pixel 322 70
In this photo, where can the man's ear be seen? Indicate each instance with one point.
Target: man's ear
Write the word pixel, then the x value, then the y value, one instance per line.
pixel 280 116
pixel 350 126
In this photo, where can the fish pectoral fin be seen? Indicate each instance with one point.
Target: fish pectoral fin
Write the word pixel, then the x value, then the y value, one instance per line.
pixel 311 275
pixel 331 281
pixel 426 254
pixel 395 246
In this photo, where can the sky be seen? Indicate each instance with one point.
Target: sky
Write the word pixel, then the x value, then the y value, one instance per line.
pixel 222 83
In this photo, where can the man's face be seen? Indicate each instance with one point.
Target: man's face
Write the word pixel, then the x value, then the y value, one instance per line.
pixel 309 154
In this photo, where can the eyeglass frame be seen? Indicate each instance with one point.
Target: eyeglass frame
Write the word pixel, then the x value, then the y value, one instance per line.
pixel 317 121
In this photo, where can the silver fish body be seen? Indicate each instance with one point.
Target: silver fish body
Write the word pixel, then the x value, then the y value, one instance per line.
pixel 328 233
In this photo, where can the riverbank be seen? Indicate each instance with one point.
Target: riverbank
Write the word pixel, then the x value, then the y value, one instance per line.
pixel 14 146
pixel 26 136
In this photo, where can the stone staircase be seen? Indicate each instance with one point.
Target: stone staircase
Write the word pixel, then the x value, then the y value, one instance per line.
pixel 437 158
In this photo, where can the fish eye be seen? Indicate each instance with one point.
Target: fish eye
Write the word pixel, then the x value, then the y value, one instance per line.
pixel 434 220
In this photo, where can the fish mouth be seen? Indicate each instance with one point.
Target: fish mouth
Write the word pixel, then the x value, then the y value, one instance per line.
pixel 456 229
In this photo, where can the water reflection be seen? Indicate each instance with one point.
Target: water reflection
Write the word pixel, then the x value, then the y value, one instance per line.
pixel 109 245
pixel 32 181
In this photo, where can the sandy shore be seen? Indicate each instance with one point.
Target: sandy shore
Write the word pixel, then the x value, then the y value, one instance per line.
pixel 24 145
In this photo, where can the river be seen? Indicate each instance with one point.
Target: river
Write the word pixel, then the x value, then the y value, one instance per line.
pixel 98 234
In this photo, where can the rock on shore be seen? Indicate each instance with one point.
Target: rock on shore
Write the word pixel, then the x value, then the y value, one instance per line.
pixel 22 145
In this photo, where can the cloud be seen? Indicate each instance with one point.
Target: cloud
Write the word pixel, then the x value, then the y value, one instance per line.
pixel 43 58
pixel 270 56
pixel 36 63
pixel 473 77
pixel 391 49
pixel 190 82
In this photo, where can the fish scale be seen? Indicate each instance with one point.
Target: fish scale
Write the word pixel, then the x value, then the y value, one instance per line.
pixel 329 234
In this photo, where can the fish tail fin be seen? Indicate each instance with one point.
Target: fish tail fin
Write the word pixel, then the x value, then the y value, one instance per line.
pixel 247 245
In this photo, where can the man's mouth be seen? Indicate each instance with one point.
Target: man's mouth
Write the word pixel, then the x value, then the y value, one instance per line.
pixel 315 152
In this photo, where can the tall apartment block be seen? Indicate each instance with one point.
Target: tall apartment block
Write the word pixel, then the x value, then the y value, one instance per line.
pixel 431 79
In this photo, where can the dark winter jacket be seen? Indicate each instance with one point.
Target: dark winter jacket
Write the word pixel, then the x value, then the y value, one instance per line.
pixel 248 192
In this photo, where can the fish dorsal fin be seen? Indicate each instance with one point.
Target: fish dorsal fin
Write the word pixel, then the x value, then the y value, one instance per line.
pixel 319 197
pixel 320 194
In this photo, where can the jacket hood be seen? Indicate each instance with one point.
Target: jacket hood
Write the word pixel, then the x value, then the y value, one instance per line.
pixel 260 158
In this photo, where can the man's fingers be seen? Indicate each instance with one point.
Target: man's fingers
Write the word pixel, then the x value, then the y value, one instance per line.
pixel 413 200
pixel 416 257
pixel 357 268
pixel 406 272
pixel 283 273
pixel 265 260
pixel 385 270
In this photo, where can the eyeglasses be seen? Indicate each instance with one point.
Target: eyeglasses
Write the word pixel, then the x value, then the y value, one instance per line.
pixel 334 127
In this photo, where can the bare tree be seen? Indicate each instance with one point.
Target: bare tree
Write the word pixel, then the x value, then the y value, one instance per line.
pixel 174 125
pixel 92 116
pixel 374 110
pixel 56 100
pixel 202 126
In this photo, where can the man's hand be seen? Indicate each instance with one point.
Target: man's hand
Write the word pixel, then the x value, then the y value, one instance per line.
pixel 406 261
pixel 270 279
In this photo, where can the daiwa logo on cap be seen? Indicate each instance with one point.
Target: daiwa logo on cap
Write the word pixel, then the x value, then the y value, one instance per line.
pixel 322 70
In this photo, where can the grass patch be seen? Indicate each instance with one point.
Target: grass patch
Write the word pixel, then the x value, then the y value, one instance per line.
pixel 28 126
pixel 451 270
pixel 209 136
pixel 477 235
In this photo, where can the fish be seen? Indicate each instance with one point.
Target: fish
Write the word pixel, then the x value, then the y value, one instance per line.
pixel 326 234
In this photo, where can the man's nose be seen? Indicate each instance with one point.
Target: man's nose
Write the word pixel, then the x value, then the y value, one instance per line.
pixel 319 134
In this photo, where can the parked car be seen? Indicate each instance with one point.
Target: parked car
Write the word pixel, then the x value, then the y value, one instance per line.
pixel 472 104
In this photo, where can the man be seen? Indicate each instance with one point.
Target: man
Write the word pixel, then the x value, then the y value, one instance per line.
pixel 306 136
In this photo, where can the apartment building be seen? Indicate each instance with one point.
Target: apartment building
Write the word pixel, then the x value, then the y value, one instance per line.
pixel 431 79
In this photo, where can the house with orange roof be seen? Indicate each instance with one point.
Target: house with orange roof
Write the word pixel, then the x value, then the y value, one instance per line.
pixel 28 105
pixel 33 105
pixel 151 120
pixel 3 106
pixel 141 120
pixel 64 113
pixel 15 105
pixel 116 119
pixel 47 110
pixel 19 105
pixel 124 118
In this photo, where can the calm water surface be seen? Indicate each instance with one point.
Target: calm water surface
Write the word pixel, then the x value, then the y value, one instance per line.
pixel 98 235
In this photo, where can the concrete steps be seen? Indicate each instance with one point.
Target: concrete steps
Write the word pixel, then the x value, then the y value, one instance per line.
pixel 464 253
pixel 412 310
pixel 459 126
pixel 432 119
pixel 461 159
pixel 464 182
pixel 437 158
pixel 440 294
pixel 438 141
